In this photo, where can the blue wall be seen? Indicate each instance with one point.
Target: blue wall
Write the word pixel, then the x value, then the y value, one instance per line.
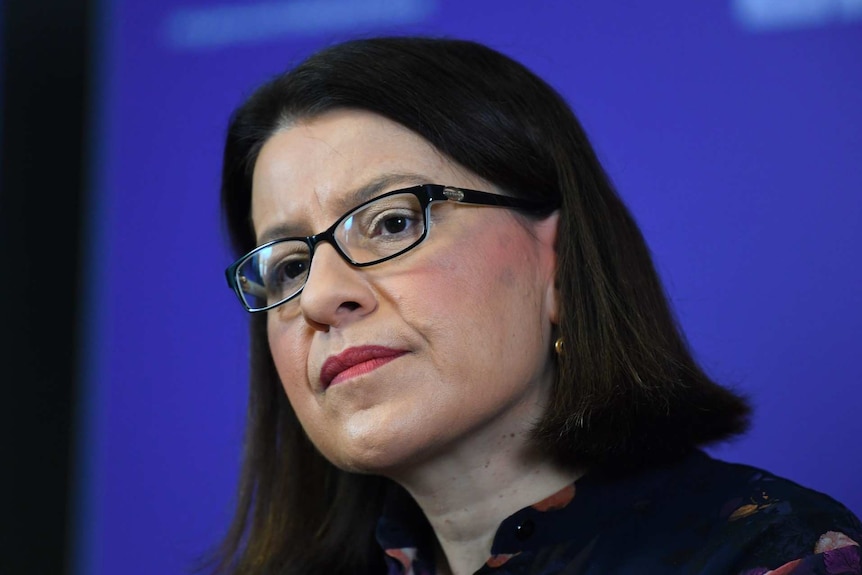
pixel 732 128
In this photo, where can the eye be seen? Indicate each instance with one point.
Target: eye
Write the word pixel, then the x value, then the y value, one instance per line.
pixel 287 273
pixel 382 227
pixel 393 222
pixel 291 269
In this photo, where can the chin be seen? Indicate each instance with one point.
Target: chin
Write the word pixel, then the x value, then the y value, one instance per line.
pixel 389 458
pixel 367 462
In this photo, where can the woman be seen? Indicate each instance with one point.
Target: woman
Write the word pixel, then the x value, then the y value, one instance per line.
pixel 478 370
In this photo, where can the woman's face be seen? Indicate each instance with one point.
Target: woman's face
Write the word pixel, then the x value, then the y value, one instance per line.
pixel 442 352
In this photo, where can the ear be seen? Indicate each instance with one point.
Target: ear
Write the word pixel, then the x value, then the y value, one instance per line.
pixel 546 232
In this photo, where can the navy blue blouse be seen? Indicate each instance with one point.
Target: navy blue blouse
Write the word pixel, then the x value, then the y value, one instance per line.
pixel 699 515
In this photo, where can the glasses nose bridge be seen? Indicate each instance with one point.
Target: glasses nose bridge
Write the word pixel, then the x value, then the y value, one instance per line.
pixel 327 236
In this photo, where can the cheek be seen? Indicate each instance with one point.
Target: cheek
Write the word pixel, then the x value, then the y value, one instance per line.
pixel 289 347
pixel 482 297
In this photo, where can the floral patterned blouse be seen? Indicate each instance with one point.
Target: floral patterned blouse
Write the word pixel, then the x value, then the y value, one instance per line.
pixel 699 515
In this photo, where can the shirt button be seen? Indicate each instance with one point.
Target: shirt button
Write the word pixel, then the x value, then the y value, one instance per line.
pixel 525 529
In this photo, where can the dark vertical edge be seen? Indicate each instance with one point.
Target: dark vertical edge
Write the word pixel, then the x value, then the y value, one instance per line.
pixel 42 178
pixel 84 519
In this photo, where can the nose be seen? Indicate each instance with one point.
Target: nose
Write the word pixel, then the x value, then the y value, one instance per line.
pixel 335 293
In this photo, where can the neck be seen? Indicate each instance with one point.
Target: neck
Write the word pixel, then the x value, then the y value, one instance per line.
pixel 466 498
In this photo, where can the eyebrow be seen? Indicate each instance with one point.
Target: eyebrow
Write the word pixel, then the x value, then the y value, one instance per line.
pixel 365 192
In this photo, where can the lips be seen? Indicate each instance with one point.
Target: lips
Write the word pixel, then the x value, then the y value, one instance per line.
pixel 356 361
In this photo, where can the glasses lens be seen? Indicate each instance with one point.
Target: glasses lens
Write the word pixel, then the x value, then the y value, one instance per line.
pixel 383 228
pixel 273 274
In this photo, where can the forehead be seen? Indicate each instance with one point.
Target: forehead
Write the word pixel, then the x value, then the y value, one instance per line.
pixel 310 173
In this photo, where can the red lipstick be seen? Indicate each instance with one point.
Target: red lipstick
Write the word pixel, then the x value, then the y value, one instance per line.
pixel 356 361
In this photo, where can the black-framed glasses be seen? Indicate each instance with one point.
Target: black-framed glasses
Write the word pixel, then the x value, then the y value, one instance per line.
pixel 373 232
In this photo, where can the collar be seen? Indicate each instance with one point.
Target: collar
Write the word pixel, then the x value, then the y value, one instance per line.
pixel 575 515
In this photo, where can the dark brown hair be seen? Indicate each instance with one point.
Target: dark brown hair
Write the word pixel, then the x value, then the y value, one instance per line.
pixel 627 391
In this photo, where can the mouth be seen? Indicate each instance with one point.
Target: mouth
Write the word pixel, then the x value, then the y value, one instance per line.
pixel 356 361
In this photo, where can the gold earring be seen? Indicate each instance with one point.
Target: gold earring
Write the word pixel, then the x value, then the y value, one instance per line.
pixel 558 345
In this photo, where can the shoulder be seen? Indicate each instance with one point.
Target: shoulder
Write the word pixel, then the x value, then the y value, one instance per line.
pixel 755 522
